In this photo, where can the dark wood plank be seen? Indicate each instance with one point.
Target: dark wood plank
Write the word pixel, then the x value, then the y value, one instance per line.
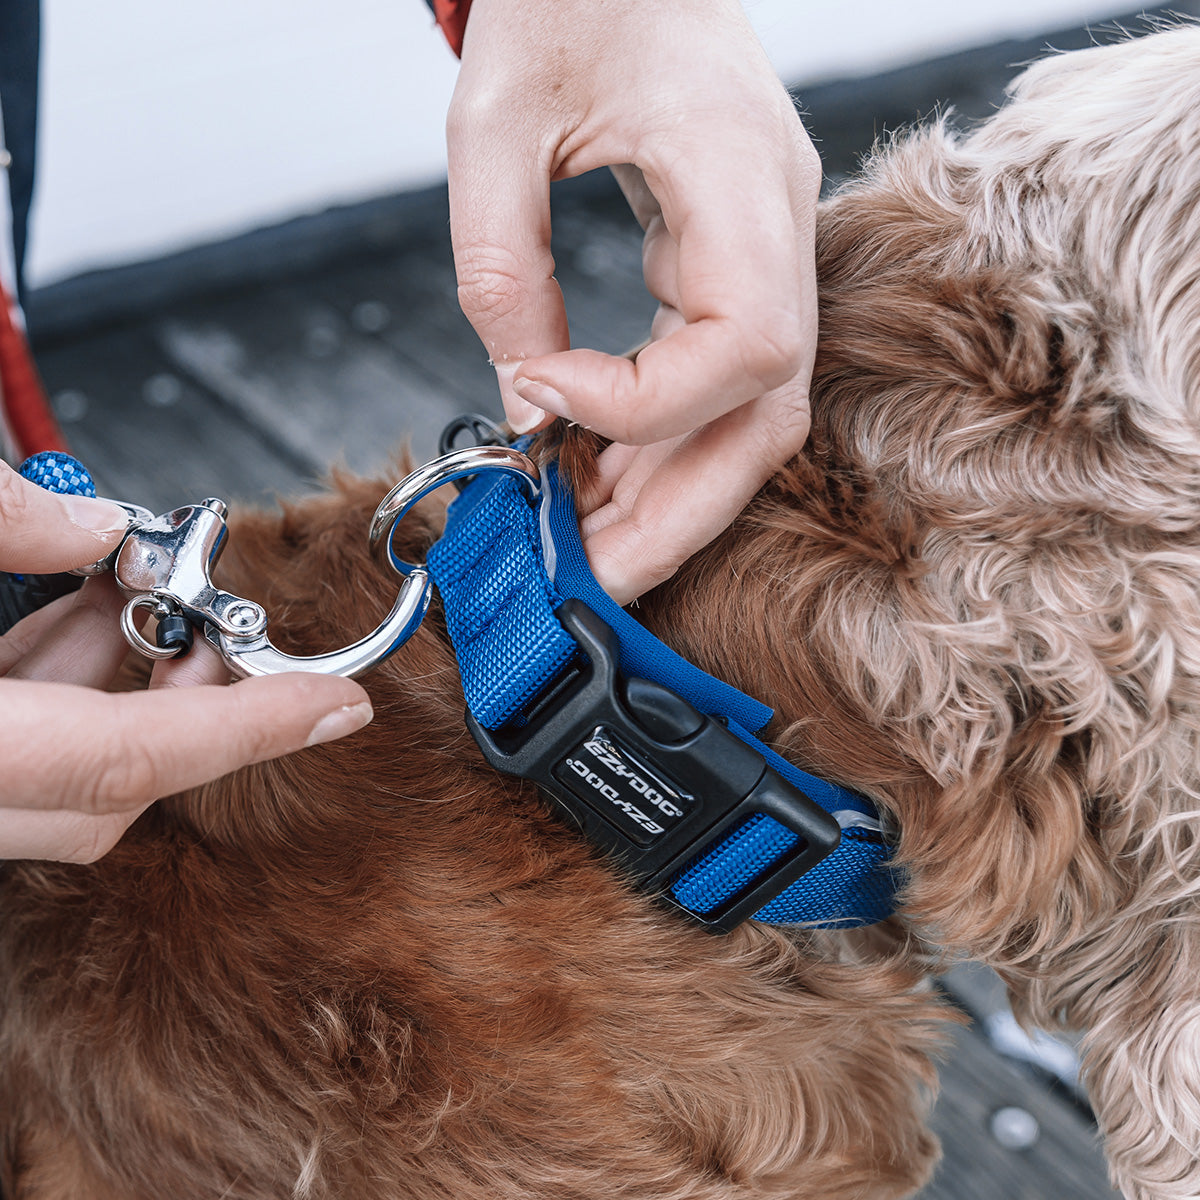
pixel 347 365
pixel 408 299
pixel 151 436
pixel 286 362
pixel 1064 1163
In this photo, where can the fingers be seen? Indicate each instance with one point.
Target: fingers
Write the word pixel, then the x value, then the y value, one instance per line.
pixel 80 765
pixel 92 752
pixel 747 299
pixel 660 263
pixel 637 192
pixel 500 229
pixel 77 639
pixel 63 835
pixel 201 665
pixel 77 642
pixel 43 531
pixel 21 639
pixel 668 500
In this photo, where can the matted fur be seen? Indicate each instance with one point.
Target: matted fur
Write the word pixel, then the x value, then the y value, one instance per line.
pixel 378 969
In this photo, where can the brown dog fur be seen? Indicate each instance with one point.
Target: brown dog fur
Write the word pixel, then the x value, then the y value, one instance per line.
pixel 379 969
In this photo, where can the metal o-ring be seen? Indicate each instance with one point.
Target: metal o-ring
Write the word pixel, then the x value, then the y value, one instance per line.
pixel 133 635
pixel 458 464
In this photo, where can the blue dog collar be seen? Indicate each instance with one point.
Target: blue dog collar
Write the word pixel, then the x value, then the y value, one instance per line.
pixel 653 758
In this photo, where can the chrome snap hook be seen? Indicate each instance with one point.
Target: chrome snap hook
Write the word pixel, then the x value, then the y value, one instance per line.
pixel 458 464
pixel 250 652
pixel 253 654
pixel 165 564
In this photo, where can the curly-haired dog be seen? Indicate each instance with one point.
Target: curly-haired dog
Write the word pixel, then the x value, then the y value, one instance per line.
pixel 380 969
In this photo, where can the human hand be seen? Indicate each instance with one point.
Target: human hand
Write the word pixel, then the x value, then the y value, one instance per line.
pixel 679 97
pixel 78 764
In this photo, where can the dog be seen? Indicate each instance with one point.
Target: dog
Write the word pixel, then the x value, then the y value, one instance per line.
pixel 379 968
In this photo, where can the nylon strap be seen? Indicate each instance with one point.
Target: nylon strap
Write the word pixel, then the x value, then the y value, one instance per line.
pixel 503 566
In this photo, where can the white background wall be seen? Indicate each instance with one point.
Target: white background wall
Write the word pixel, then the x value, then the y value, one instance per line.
pixel 166 125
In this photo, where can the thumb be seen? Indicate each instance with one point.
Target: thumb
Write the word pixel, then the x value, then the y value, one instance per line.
pixel 101 752
pixel 83 764
pixel 500 230
pixel 45 531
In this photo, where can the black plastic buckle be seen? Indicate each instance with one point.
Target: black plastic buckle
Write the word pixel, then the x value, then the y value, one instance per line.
pixel 483 430
pixel 649 778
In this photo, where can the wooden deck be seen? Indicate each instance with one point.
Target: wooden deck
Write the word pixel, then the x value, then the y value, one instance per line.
pixel 233 371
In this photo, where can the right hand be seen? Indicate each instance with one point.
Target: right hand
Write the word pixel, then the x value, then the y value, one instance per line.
pixel 679 97
pixel 80 764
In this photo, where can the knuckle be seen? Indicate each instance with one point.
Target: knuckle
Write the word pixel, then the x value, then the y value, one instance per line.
pixel 14 497
pixel 786 428
pixel 772 349
pixel 97 837
pixel 491 285
pixel 261 741
pixel 621 423
pixel 638 559
pixel 780 425
pixel 476 110
pixel 122 781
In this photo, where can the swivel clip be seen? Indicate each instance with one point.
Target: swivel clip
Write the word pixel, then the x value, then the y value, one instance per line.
pixel 165 565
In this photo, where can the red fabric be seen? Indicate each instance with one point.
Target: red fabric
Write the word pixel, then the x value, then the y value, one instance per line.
pixel 451 17
pixel 26 412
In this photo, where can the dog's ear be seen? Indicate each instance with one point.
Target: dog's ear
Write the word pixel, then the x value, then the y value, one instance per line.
pixel 1011 463
pixel 954 596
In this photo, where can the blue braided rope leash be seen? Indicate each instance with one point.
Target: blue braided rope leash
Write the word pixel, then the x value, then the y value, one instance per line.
pixel 505 567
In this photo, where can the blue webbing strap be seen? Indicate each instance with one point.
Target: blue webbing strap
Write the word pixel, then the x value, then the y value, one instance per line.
pixel 503 566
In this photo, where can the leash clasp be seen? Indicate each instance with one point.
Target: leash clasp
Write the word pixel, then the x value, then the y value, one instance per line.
pixel 165 564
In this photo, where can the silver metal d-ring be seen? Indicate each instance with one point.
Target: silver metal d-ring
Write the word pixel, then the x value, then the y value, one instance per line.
pixel 458 464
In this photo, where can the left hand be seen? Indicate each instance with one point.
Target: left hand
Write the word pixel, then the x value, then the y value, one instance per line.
pixel 79 764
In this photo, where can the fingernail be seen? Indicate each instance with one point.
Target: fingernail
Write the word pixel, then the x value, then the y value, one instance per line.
pixel 340 722
pixel 522 416
pixel 96 516
pixel 535 392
